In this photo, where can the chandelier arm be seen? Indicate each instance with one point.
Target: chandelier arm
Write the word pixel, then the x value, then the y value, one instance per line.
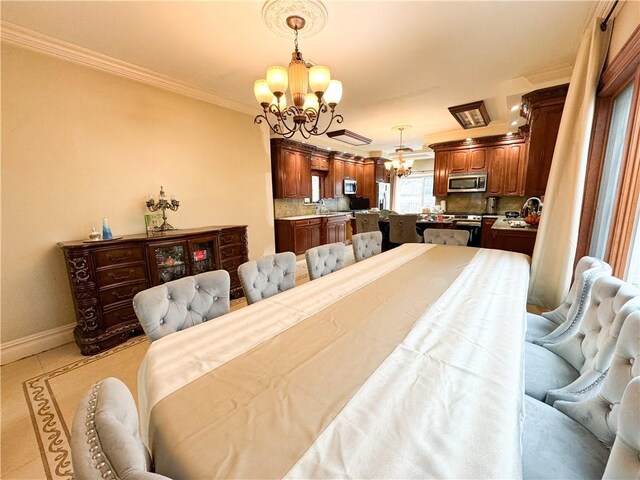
pixel 337 118
pixel 287 133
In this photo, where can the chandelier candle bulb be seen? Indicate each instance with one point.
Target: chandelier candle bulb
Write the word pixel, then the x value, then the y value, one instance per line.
pixel 319 79
pixel 311 101
pixel 333 95
pixel 277 80
pixel 262 92
pixel 281 103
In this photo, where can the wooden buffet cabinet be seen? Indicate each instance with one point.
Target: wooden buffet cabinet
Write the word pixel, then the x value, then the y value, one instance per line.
pixel 105 275
pixel 517 164
pixel 300 234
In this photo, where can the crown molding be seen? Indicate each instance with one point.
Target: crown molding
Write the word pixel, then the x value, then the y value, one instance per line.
pixel 38 42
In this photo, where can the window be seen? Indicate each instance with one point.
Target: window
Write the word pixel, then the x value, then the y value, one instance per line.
pixel 610 220
pixel 611 170
pixel 633 267
pixel 316 188
pixel 415 193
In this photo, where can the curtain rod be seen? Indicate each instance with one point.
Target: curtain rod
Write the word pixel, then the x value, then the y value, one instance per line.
pixel 603 25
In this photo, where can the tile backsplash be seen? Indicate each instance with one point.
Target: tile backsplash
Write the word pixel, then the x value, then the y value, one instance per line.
pixel 476 202
pixel 289 207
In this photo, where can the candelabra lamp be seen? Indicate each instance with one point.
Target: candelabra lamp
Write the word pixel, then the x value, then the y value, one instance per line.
pixel 163 204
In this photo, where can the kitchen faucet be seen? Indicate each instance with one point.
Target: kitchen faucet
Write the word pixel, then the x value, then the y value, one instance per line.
pixel 533 205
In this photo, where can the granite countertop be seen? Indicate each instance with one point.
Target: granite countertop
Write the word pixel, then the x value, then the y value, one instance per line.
pixel 315 215
pixel 502 224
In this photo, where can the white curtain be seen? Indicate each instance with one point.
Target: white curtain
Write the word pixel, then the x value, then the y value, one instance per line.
pixel 554 253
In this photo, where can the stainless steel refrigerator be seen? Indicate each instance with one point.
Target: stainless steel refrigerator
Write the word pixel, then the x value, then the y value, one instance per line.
pixel 383 197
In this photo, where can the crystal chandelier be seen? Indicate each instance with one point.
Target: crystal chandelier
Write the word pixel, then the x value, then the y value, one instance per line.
pixel 400 167
pixel 304 115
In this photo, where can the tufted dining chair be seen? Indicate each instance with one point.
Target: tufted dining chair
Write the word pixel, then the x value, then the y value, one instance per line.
pixel 268 276
pixel 366 245
pixel 572 439
pixel 555 324
pixel 182 303
pixel 402 228
pixel 624 460
pixel 105 441
pixel 324 259
pixel 367 222
pixel 573 368
pixel 446 236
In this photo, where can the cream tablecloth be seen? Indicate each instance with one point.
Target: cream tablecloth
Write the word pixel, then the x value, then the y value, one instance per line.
pixel 406 365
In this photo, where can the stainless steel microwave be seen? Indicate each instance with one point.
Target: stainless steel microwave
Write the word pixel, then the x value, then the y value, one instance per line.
pixel 467 182
pixel 350 186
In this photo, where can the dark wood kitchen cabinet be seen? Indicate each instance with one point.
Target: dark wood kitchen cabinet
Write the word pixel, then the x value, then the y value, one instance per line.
pixel 514 240
pixel 485 235
pixel 440 173
pixel 290 169
pixel 301 234
pixel 543 110
pixel 105 276
pixel 335 229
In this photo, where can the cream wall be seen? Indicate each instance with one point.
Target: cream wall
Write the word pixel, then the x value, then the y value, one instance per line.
pixel 626 21
pixel 79 144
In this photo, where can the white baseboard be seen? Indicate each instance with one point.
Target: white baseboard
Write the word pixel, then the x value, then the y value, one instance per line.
pixel 36 343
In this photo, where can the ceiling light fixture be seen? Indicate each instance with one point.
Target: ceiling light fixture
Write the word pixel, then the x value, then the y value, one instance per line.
pixel 347 136
pixel 471 115
pixel 304 115
pixel 400 167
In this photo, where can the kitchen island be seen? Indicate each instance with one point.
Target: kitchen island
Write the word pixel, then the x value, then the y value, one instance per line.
pixel 498 234
pixel 299 233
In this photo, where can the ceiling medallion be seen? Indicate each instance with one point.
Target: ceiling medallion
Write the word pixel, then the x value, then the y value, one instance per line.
pixel 400 167
pixel 308 107
pixel 276 12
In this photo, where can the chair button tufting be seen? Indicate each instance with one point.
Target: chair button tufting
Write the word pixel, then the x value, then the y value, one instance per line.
pixel 215 299
pixel 631 360
pixel 197 286
pixel 188 307
pixel 169 296
pixel 611 406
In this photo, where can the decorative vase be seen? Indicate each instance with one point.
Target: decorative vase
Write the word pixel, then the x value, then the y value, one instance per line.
pixel 106 230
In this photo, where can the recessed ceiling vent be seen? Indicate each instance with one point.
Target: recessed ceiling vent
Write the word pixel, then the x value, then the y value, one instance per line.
pixel 471 115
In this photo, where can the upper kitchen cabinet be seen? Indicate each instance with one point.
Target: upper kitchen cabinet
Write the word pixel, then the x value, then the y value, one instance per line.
pixel 334 181
pixel 319 162
pixel 440 173
pixel 501 156
pixel 350 170
pixel 290 169
pixel 360 176
pixel 543 111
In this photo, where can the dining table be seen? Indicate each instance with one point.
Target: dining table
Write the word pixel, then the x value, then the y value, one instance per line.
pixel 408 364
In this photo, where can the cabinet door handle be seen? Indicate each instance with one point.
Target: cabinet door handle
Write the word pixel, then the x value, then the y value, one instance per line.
pixel 121 277
pixel 126 295
pixel 118 259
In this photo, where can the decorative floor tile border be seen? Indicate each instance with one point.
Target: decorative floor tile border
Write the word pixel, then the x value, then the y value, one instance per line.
pixel 51 431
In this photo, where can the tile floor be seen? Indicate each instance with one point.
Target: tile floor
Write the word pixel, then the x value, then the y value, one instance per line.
pixel 19 452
